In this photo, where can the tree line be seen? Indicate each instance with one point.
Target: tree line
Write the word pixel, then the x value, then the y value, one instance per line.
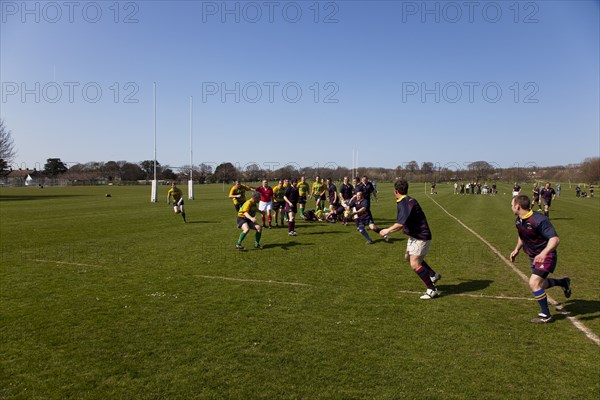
pixel 479 171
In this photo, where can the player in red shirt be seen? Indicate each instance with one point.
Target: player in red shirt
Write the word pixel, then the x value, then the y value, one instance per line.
pixel 266 201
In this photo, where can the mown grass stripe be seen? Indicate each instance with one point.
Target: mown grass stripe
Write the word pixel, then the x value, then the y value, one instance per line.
pixel 66 263
pixel 224 278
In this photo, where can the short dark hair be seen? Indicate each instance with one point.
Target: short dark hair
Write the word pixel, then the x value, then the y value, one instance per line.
pixel 401 186
pixel 523 201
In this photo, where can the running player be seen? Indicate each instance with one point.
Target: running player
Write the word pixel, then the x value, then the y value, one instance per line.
pixel 359 210
pixel 538 238
pixel 177 196
pixel 412 221
pixel 547 194
pixel 247 220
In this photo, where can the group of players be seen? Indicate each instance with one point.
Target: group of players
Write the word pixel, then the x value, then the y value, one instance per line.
pixel 540 197
pixel 536 234
pixel 352 202
pixel 289 198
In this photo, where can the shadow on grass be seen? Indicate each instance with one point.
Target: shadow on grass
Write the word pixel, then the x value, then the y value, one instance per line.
pixel 465 287
pixel 204 222
pixel 585 310
pixel 322 233
pixel 284 246
pixel 23 197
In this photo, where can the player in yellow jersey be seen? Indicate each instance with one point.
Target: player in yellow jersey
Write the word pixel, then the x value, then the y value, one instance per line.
pixel 303 190
pixel 238 194
pixel 246 220
pixel 177 196
pixel 316 191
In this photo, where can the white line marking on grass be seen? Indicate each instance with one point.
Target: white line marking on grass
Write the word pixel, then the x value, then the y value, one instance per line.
pixel 476 296
pixel 578 324
pixel 224 278
pixel 66 263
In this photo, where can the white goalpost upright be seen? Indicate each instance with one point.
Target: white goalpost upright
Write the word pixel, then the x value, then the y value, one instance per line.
pixel 154 194
pixel 354 163
pixel 191 180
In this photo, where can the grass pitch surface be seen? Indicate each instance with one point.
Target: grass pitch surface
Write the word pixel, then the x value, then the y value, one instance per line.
pixel 115 298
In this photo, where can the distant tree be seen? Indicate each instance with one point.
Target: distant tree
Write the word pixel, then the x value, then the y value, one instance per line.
pixel 4 167
pixel 168 174
pixel 480 169
pixel 7 147
pixel 290 172
pixel 205 172
pixel 148 167
pixel 111 170
pixel 54 167
pixel 254 173
pixel 427 167
pixel 131 172
pixel 412 166
pixel 590 170
pixel 225 172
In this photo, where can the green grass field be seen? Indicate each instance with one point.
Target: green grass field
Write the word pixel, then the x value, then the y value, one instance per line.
pixel 115 298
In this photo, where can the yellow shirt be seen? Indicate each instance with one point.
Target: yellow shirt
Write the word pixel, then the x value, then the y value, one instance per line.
pixel 241 190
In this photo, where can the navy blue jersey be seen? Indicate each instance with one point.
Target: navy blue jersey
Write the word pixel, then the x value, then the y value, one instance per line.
pixel 413 219
pixel 366 189
pixel 360 204
pixel 546 194
pixel 346 191
pixel 332 191
pixel 292 194
pixel 535 230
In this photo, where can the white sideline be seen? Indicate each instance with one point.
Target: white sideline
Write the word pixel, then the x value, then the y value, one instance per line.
pixel 65 263
pixel 578 324
pixel 476 296
pixel 224 278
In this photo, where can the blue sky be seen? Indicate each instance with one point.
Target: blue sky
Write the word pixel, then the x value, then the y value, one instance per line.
pixel 303 82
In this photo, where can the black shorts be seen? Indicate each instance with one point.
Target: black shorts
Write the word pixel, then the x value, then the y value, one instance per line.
pixel 364 221
pixel 339 209
pixel 293 208
pixel 241 221
pixel 277 205
pixel 302 200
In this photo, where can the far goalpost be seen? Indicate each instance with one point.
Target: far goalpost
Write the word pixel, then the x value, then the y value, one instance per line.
pixel 154 193
pixel 191 180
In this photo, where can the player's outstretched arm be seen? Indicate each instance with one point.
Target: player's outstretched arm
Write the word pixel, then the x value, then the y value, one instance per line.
pixel 394 228
pixel 515 252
